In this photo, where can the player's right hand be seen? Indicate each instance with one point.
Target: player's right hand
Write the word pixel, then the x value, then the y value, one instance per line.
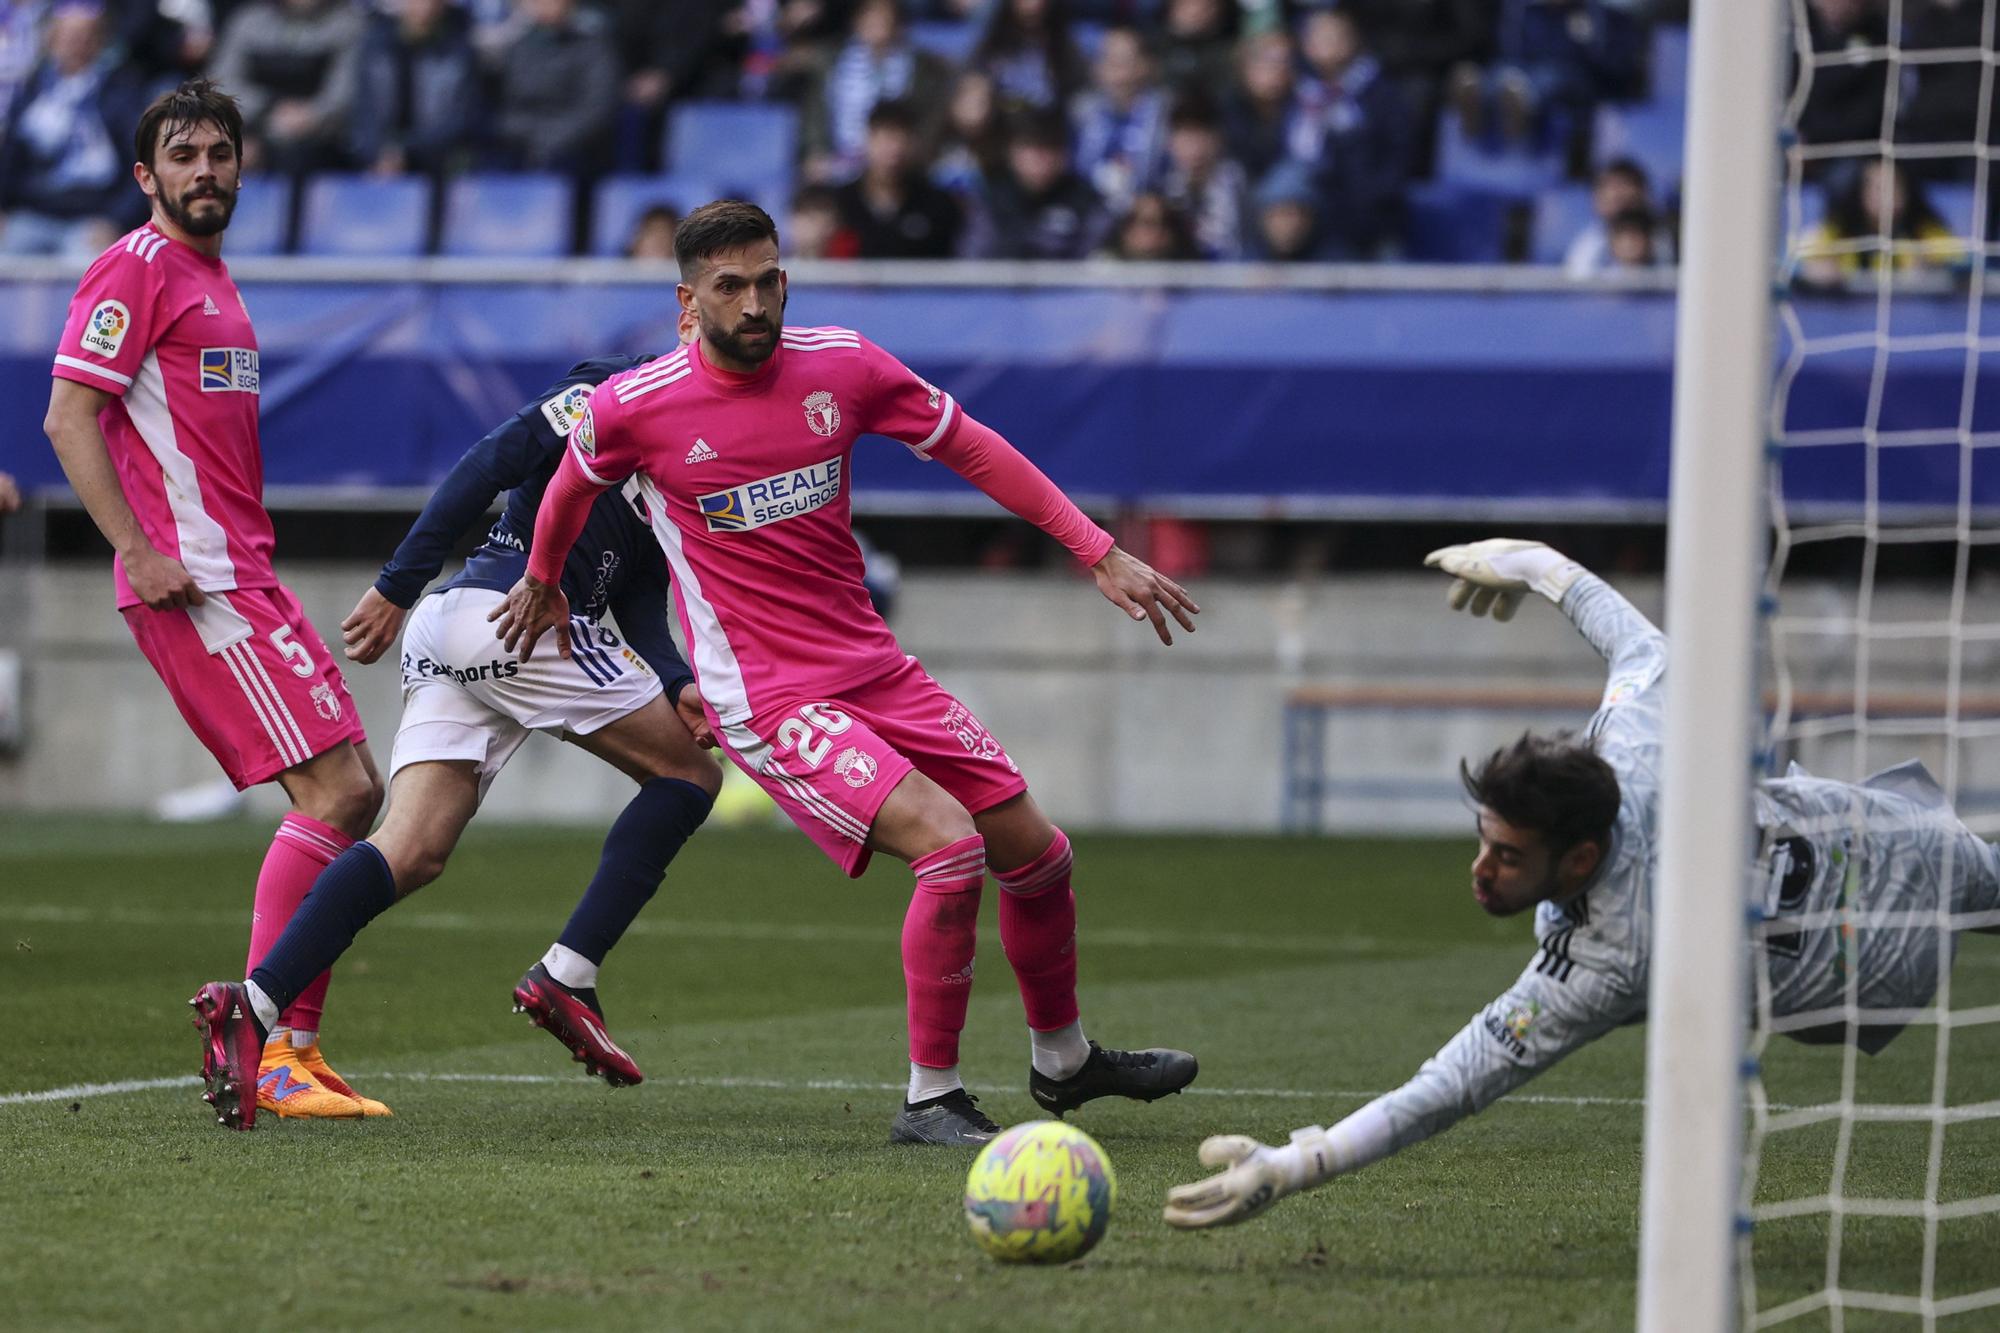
pixel 533 608
pixel 371 627
pixel 1255 1179
pixel 1144 593
pixel 160 581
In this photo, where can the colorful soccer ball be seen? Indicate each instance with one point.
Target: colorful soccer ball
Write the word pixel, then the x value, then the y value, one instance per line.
pixel 1041 1193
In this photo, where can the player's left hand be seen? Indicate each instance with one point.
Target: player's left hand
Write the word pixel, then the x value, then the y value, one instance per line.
pixel 371 627
pixel 533 608
pixel 1256 1178
pixel 693 715
pixel 1497 573
pixel 10 494
pixel 1144 593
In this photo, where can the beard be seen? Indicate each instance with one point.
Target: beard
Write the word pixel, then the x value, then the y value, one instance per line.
pixel 207 223
pixel 734 344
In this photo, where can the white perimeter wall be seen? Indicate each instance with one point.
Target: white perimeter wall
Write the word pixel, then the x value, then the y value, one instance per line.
pixel 1112 729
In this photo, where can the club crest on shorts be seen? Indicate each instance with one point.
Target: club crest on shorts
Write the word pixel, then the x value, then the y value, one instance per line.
pixel 325 702
pixel 822 413
pixel 857 768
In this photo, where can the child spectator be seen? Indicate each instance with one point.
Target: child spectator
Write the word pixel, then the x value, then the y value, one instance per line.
pixel 1288 223
pixel 1880 201
pixel 653 234
pixel 1630 240
pixel 813 230
pixel 1152 229
pixel 1620 187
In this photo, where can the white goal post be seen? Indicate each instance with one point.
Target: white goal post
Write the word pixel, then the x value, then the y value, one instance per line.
pixel 1722 382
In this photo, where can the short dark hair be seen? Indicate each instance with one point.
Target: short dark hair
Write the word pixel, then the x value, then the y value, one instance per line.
pixel 1556 786
pixel 1627 167
pixel 893 113
pixel 1195 111
pixel 195 102
pixel 1631 219
pixel 1039 129
pixel 725 224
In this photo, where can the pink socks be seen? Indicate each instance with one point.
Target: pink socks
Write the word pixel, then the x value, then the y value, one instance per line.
pixel 302 848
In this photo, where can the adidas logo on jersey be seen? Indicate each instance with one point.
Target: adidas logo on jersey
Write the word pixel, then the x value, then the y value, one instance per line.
pixel 208 306
pixel 701 453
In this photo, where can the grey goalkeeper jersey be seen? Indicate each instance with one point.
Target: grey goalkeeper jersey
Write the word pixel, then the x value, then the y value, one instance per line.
pixel 1890 844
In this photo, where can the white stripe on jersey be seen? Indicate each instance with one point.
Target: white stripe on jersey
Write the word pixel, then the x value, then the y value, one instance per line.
pixel 577 454
pixel 204 546
pixel 234 656
pixel 710 654
pixel 653 370
pixel 145 243
pixel 944 419
pixel 78 363
pixel 819 344
pixel 630 389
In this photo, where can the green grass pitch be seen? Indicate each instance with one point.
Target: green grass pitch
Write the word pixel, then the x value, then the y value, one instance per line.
pixel 748 1183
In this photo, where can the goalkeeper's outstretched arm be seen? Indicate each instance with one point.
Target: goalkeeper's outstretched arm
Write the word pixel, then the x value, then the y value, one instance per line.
pixel 1531 1027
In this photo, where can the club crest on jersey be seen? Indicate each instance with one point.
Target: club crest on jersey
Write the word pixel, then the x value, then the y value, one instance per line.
pixel 565 409
pixel 230 370
pixel 772 499
pixel 325 702
pixel 104 332
pixel 822 413
pixel 584 437
pixel 857 768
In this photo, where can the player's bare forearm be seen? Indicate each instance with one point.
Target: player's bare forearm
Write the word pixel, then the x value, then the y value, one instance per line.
pixel 1144 593
pixel 371 627
pixel 159 580
pixel 533 608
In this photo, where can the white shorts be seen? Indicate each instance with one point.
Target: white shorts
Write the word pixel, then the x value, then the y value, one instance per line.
pixel 467 697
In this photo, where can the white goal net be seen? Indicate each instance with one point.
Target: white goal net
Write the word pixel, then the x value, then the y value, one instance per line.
pixel 1871 1182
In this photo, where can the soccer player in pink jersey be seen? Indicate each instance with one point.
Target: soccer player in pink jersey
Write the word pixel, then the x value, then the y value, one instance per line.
pixel 154 417
pixel 741 443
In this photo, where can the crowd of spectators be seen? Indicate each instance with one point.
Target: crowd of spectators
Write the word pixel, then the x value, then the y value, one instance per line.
pixel 1059 129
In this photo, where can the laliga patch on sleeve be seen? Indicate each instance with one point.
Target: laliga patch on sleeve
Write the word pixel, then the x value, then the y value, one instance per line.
pixel 104 332
pixel 563 411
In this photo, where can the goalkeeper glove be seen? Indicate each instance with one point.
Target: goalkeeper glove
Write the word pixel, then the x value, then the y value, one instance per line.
pixel 1495 573
pixel 1258 1175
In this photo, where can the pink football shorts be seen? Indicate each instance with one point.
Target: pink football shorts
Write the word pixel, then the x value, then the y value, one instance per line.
pixel 831 763
pixel 253 679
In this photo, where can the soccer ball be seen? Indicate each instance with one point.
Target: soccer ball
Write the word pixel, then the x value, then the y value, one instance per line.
pixel 1041 1193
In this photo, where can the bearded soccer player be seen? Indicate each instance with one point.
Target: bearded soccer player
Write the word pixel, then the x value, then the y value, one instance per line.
pixel 741 445
pixel 154 417
pixel 467 709
pixel 1567 830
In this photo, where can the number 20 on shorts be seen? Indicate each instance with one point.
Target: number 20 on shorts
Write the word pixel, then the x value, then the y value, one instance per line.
pixel 811 731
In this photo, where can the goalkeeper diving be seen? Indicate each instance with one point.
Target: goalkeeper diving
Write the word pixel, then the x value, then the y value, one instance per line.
pixel 1567 827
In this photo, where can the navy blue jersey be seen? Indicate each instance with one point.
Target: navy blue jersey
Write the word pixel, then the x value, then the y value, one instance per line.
pixel 615 566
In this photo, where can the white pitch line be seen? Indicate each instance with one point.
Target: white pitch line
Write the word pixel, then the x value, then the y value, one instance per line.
pixel 64 914
pixel 81 1091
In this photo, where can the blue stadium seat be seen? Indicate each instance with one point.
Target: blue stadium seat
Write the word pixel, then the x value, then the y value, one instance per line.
pixel 745 148
pixel 507 216
pixel 1516 172
pixel 365 216
pixel 1453 224
pixel 1653 135
pixel 262 222
pixel 951 38
pixel 1670 64
pixel 1954 202
pixel 1561 212
pixel 620 201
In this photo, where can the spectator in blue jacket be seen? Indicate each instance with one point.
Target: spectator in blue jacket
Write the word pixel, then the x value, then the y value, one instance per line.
pixel 417 90
pixel 1557 60
pixel 1288 217
pixel 1027 49
pixel 1121 123
pixel 65 159
pixel 1258 109
pixel 1354 127
pixel 1202 183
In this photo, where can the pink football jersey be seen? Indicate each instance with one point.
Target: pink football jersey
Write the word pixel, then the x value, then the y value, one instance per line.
pixel 163 329
pixel 747 481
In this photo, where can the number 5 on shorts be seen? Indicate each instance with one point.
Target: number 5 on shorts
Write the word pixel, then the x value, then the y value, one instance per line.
pixel 294 653
pixel 798 733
